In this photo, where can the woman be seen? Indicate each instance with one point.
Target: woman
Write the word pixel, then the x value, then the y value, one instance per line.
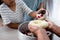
pixel 12 12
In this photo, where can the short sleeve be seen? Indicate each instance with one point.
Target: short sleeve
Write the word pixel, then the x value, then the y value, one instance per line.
pixel 25 8
pixel 4 16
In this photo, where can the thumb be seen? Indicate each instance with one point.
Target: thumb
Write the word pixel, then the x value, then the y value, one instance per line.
pixel 46 20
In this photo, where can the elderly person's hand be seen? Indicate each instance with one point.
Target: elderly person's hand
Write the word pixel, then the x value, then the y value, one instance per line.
pixel 38 24
pixel 50 24
pixel 33 28
pixel 39 32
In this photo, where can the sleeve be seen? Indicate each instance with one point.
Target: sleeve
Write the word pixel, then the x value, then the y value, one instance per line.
pixel 25 7
pixel 5 18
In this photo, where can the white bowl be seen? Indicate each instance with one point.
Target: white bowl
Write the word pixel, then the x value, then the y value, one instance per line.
pixel 23 28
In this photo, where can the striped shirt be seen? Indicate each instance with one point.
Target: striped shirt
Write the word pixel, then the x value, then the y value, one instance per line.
pixel 15 17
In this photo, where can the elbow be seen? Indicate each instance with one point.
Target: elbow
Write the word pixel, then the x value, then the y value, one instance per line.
pixel 13 26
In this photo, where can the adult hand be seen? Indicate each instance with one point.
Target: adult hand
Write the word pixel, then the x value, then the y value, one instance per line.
pixel 39 32
pixel 33 28
pixel 50 24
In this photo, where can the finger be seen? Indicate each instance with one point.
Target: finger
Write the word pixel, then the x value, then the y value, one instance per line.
pixel 47 13
pixel 41 9
pixel 47 20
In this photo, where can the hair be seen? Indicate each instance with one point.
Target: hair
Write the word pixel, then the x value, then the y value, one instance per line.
pixel 1 2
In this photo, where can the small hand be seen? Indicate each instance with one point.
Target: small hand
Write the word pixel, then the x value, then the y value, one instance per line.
pixel 42 10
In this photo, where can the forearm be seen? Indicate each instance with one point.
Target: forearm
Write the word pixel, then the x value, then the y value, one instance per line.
pixel 42 35
pixel 55 29
pixel 13 25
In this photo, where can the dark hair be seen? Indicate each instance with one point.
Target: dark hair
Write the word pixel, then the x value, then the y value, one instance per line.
pixel 1 2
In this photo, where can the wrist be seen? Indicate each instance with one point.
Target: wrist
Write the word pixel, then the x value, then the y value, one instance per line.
pixel 51 27
pixel 37 32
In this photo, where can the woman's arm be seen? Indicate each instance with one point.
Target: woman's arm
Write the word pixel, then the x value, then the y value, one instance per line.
pixel 42 35
pixel 54 28
pixel 30 12
pixel 13 25
pixel 39 32
pixel 33 14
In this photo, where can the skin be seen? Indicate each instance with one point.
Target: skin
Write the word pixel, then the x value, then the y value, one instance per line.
pixel 39 32
pixel 11 4
pixel 53 28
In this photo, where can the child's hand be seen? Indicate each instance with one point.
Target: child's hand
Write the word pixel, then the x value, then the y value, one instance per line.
pixel 40 17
